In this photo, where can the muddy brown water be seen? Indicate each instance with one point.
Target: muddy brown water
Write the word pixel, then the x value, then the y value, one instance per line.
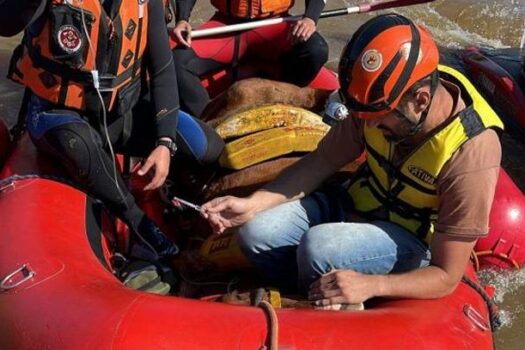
pixel 498 26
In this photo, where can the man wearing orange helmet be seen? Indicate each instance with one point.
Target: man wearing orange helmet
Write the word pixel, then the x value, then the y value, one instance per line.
pixel 405 224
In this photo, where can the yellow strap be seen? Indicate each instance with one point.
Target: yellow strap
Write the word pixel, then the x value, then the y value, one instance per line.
pixel 275 298
pixel 267 117
pixel 268 144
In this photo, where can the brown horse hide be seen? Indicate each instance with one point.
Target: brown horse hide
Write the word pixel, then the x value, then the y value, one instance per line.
pixel 205 183
pixel 243 95
pixel 256 92
pixel 244 182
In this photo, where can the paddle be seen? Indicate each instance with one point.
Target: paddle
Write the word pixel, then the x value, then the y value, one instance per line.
pixel 362 8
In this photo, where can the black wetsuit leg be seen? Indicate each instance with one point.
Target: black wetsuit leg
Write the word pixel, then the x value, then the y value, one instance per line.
pixel 300 66
pixel 189 68
pixel 80 149
pixel 83 150
pixel 302 63
pixel 66 136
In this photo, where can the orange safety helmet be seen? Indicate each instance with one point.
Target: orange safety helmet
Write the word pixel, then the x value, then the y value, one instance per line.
pixel 382 60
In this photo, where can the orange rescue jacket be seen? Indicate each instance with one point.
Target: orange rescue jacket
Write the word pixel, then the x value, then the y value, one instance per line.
pixel 59 54
pixel 249 9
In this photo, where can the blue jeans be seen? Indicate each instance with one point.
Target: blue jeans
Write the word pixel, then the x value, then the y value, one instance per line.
pixel 296 241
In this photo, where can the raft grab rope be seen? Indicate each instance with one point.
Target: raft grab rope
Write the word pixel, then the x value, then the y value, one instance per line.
pixel 8 283
pixel 11 180
pixel 491 252
pixel 272 338
pixel 495 321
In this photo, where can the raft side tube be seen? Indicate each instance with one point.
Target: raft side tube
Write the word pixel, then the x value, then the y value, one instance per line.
pixel 498 86
pixel 504 246
pixel 5 143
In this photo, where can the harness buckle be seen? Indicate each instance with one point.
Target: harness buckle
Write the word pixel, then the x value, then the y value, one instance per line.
pixel 106 82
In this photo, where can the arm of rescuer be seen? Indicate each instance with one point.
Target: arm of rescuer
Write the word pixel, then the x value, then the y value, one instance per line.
pixel 16 15
pixel 341 145
pixel 164 94
pixel 303 29
pixel 182 30
pixel 463 218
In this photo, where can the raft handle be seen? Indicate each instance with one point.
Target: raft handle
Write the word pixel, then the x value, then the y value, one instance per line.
pixel 6 185
pixel 474 316
pixel 6 284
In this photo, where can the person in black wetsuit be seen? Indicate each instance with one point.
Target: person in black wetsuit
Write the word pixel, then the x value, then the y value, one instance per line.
pixel 82 99
pixel 298 49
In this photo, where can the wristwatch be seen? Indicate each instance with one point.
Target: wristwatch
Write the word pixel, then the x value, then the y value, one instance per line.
pixel 172 146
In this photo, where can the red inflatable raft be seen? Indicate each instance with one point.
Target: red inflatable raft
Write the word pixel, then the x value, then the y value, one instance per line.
pixel 56 294
pixel 498 85
pixel 5 143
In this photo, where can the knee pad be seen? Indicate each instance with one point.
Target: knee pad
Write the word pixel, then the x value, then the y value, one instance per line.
pixel 76 144
pixel 198 139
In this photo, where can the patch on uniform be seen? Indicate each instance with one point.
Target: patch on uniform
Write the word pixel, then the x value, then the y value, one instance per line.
pixel 48 79
pixel 371 60
pixel 422 175
pixel 69 39
pixel 127 58
pixel 130 29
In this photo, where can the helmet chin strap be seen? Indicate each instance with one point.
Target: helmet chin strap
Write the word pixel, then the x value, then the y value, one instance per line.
pixel 415 127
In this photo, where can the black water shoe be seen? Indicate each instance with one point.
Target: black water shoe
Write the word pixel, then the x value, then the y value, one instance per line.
pixel 149 237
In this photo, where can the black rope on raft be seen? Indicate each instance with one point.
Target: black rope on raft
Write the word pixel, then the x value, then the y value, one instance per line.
pixel 495 320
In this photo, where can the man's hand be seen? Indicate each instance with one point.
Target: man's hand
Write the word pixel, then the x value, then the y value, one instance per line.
pixel 302 30
pixel 343 287
pixel 182 32
pixel 159 159
pixel 450 256
pixel 226 212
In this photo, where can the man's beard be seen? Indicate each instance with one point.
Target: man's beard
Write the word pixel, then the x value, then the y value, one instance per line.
pixel 392 137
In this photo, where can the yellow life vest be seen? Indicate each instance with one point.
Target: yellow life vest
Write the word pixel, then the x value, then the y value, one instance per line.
pixel 59 53
pixel 408 192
